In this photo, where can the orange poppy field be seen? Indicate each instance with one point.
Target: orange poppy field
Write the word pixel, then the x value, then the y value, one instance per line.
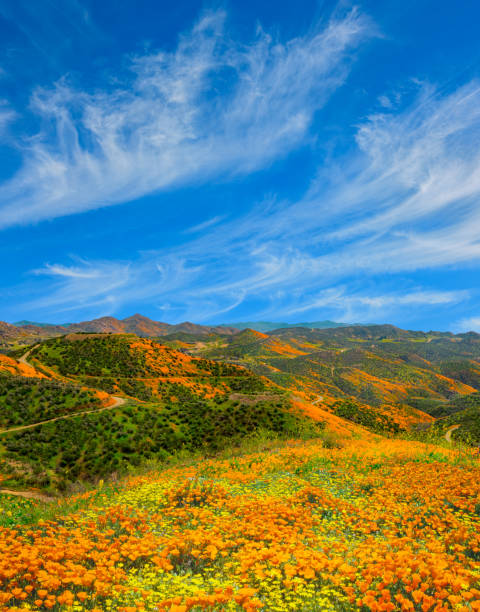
pixel 363 524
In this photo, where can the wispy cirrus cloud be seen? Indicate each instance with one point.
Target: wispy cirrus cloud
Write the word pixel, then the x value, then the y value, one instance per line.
pixel 360 306
pixel 468 324
pixel 7 115
pixel 85 271
pixel 181 292
pixel 211 107
pixel 407 198
pixel 85 284
pixel 340 296
pixel 200 227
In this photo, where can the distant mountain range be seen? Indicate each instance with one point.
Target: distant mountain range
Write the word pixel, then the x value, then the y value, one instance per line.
pixel 131 324
pixel 27 332
pixel 266 326
pixel 37 324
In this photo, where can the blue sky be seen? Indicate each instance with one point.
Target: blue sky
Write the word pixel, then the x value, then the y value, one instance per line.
pixel 219 162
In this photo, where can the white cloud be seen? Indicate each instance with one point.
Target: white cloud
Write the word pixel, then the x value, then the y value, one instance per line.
pixel 385 101
pixel 205 225
pixel 406 199
pixel 7 115
pixel 468 324
pixel 189 290
pixel 366 307
pixel 72 272
pixel 83 285
pixel 211 107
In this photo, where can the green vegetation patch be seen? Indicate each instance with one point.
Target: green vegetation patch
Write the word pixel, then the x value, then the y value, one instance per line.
pixel 469 421
pixel 24 401
pixel 94 445
pixel 439 408
pixel 464 371
pixel 368 417
pixel 110 355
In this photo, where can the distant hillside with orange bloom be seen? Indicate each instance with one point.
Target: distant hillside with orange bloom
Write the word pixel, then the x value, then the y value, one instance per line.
pixel 391 370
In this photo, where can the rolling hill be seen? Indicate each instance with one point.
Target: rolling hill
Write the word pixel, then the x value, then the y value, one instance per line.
pixel 160 503
pixel 201 390
pixel 397 372
pixel 171 403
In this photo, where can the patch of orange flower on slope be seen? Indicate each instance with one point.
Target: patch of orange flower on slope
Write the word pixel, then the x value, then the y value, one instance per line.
pixel 334 423
pixel 381 525
pixel 406 416
pixel 161 360
pixel 12 366
pixel 397 391
pixel 276 347
pixel 165 361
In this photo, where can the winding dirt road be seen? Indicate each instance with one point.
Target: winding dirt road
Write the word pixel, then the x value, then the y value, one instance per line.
pixel 23 358
pixel 448 435
pixel 119 401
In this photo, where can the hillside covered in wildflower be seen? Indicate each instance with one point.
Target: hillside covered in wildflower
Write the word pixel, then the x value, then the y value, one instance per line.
pixel 239 321
pixel 396 379
pixel 145 475
pixel 365 525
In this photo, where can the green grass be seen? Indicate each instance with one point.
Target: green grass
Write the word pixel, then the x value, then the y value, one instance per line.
pixel 16 510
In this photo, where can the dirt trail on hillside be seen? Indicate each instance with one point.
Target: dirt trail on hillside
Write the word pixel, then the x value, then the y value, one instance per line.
pixel 28 495
pixel 319 399
pixel 448 435
pixel 119 401
pixel 23 358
